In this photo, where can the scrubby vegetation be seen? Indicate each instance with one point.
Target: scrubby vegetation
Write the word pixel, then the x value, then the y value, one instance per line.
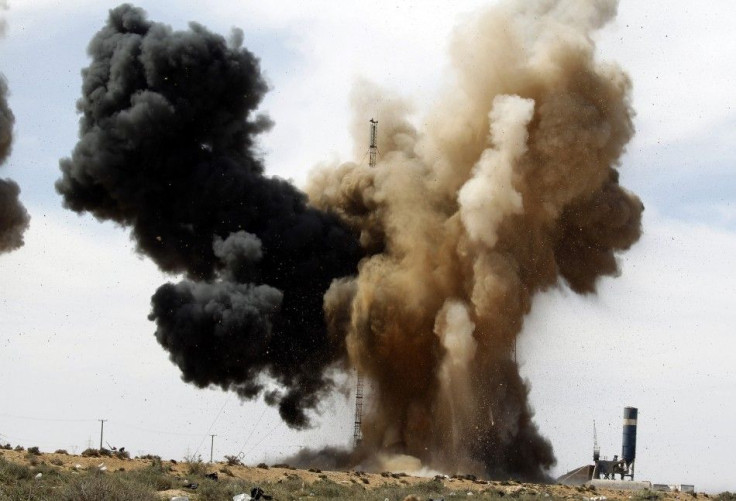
pixel 21 482
pixel 91 453
pixel 49 478
pixel 233 461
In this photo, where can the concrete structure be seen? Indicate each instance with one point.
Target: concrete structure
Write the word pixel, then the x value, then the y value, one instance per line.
pixel 628 485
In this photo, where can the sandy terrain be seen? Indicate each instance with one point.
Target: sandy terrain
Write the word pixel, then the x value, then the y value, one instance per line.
pixel 259 475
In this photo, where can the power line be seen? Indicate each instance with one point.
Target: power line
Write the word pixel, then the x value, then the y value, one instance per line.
pixel 213 424
pixel 44 445
pixel 158 432
pixel 278 423
pixel 115 421
pixel 36 418
pixel 252 430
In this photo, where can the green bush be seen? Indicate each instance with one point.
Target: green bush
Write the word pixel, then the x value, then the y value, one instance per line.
pixel 12 472
pixel 209 490
pixel 32 459
pixel 195 465
pixel 151 477
pixel 646 495
pixel 326 489
pixel 34 450
pixel 233 461
pixel 90 453
pixel 101 487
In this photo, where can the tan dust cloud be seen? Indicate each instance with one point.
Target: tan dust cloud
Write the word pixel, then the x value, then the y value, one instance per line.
pixel 510 187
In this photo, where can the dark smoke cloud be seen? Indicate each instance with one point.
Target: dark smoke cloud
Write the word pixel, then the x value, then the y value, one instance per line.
pixel 13 216
pixel 167 148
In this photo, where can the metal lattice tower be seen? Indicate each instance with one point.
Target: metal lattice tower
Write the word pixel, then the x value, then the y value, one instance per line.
pixel 357 430
pixel 373 148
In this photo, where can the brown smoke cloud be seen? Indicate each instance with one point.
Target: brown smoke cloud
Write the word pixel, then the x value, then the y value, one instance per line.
pixel 509 188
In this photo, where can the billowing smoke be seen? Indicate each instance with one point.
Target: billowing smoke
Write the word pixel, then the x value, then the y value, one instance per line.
pixel 417 272
pixel 167 148
pixel 13 216
pixel 510 188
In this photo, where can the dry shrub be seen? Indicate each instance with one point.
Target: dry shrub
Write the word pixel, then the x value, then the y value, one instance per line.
pixel 100 487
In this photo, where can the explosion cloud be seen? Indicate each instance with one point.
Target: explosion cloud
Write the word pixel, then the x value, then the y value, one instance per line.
pixel 13 216
pixel 167 148
pixel 510 187
pixel 417 272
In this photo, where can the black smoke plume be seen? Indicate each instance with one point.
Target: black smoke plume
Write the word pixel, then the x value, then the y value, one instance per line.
pixel 13 216
pixel 167 148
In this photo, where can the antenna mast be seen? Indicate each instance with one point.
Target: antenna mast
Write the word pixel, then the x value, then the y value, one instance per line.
pixel 357 428
pixel 373 148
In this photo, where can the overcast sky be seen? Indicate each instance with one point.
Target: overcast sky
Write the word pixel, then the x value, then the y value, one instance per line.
pixel 75 344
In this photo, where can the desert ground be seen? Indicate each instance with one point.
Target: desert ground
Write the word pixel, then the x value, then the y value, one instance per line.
pixel 22 473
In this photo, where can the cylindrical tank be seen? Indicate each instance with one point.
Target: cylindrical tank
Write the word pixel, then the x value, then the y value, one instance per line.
pixel 628 447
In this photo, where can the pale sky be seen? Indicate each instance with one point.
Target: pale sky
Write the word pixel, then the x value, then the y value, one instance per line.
pixel 75 344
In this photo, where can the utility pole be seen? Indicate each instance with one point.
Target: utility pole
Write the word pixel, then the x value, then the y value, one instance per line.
pixel 102 428
pixel 212 445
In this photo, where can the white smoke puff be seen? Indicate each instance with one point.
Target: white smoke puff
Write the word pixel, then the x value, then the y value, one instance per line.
pixel 455 329
pixel 489 195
